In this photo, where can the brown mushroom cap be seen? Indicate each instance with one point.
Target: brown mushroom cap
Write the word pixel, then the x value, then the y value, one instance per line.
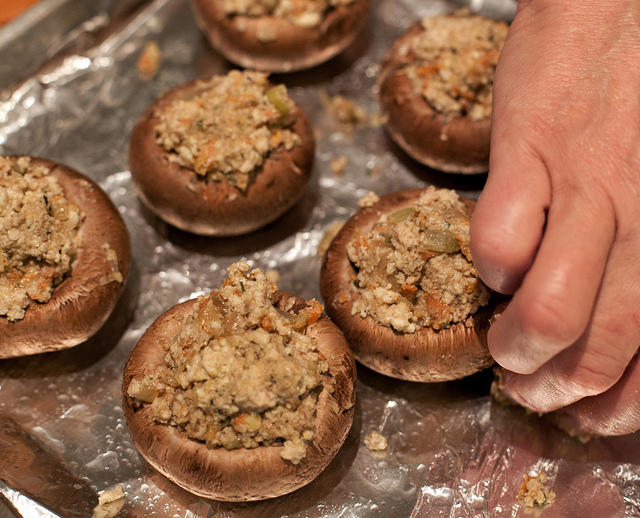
pixel 292 48
pixel 427 355
pixel 418 129
pixel 243 474
pixel 84 300
pixel 189 202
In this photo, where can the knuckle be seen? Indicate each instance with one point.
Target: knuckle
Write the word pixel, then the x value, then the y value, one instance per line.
pixel 549 318
pixel 586 380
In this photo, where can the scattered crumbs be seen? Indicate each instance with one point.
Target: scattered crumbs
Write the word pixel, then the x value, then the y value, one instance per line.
pixel 109 503
pixel 497 388
pixel 378 119
pixel 582 437
pixel 112 259
pixel 273 276
pixel 368 199
pixel 375 441
pixel 339 164
pixel 343 110
pixel 533 492
pixel 498 311
pixel 265 34
pixel 328 236
pixel 149 60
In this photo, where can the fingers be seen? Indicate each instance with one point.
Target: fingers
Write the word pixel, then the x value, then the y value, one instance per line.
pixel 508 221
pixel 597 359
pixel 615 412
pixel 552 307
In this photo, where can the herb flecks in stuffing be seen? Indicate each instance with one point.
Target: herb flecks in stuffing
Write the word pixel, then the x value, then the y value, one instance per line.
pixel 228 127
pixel 414 268
pixel 241 373
pixel 455 58
pixel 38 228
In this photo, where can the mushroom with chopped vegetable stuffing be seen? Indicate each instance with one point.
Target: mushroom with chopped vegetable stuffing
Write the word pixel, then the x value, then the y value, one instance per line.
pixel 64 256
pixel 245 393
pixel 222 157
pixel 436 87
pixel 398 280
pixel 280 36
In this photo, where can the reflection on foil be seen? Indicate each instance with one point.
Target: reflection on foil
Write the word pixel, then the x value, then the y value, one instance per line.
pixel 452 452
pixel 20 503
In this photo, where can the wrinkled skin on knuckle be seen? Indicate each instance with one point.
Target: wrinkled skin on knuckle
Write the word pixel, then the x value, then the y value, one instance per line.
pixel 546 320
pixel 543 394
pixel 587 379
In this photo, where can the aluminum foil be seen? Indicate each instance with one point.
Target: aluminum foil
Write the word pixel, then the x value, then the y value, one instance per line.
pixel 71 92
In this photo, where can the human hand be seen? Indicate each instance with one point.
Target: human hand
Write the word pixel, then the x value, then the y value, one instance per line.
pixel 558 222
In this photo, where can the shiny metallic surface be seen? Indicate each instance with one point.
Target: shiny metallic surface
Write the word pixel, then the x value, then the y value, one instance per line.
pixel 453 452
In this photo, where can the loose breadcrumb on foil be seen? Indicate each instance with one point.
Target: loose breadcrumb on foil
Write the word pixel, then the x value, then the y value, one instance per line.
pixel 376 444
pixel 109 503
pixel 369 199
pixel 343 110
pixel 149 60
pixel 338 165
pixel 374 441
pixel 533 492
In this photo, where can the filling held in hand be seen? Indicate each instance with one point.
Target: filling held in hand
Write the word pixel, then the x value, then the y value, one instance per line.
pixel 454 62
pixel 229 127
pixel 241 373
pixel 38 229
pixel 414 268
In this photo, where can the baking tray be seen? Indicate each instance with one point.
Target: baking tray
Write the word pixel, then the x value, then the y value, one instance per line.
pixel 70 91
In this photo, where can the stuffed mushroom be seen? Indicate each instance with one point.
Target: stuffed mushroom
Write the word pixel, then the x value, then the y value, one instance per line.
pixel 245 393
pixel 222 157
pixel 64 256
pixel 280 36
pixel 436 87
pixel 399 281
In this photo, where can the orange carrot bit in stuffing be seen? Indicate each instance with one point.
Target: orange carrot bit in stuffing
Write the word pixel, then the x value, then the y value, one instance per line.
pixel 407 290
pixel 428 70
pixel 265 323
pixel 314 312
pixel 343 297
pixel 311 313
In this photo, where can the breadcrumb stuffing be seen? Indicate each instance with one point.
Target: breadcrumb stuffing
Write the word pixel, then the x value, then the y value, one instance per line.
pixel 369 199
pixel 374 441
pixel 241 373
pixel 304 13
pixel 227 128
pixel 414 268
pixel 38 230
pixel 533 492
pixel 149 60
pixel 454 62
